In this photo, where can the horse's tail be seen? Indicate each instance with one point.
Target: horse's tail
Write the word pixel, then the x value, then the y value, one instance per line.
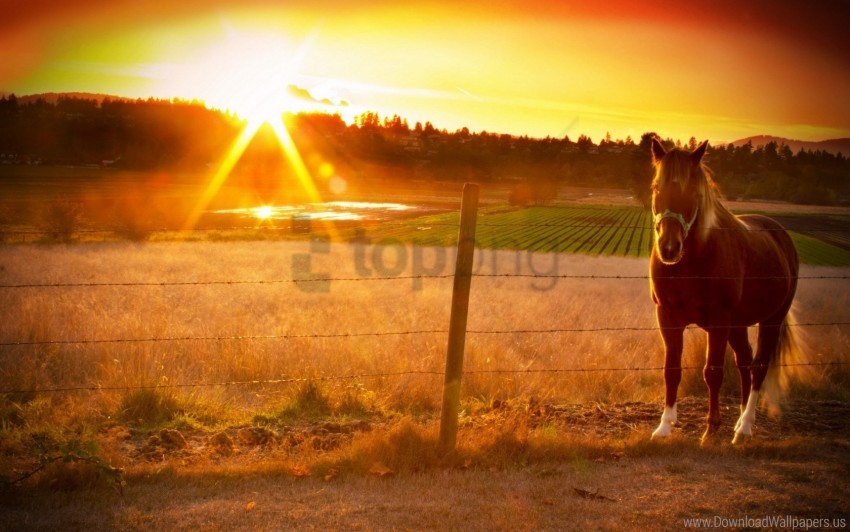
pixel 785 365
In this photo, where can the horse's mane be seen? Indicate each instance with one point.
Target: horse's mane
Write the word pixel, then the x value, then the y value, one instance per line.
pixel 678 167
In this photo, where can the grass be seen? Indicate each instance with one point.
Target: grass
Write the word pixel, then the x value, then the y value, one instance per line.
pixel 350 429
pixel 504 475
pixel 594 230
pixel 621 231
pixel 280 318
pixel 360 452
pixel 104 205
pixel 819 253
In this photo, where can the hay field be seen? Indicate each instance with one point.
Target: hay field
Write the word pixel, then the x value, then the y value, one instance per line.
pixel 199 445
pixel 268 325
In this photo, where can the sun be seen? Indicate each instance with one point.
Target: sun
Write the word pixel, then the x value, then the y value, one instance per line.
pixel 250 74
pixel 263 213
pixel 247 74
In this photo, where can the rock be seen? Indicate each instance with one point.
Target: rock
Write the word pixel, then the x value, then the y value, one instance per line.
pixel 255 436
pixel 221 443
pixel 172 439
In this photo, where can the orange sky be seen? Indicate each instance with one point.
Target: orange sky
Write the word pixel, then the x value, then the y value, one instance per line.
pixel 719 70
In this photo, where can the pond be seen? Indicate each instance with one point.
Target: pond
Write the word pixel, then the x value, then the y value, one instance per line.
pixel 331 210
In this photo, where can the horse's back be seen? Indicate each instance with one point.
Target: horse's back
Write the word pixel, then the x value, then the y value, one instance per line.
pixel 772 266
pixel 771 238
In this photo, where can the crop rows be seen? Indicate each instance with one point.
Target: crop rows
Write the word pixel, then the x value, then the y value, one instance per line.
pixel 592 230
pixel 817 252
pixel 621 231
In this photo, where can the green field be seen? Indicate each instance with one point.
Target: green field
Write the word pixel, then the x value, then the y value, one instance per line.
pixel 592 230
pixel 111 201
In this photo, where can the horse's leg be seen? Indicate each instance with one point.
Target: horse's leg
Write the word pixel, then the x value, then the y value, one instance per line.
pixel 740 343
pixel 768 343
pixel 672 334
pixel 718 336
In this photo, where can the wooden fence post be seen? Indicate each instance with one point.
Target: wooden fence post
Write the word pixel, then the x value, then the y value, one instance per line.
pixel 460 308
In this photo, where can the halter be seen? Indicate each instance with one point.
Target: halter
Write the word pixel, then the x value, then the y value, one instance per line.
pixel 686 226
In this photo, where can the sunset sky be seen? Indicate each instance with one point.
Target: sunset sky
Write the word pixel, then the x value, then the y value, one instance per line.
pixel 718 70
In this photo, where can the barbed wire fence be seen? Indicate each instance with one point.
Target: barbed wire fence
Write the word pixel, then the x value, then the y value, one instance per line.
pixel 24 234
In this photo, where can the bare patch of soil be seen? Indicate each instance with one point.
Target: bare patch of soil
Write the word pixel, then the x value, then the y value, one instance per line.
pixel 520 465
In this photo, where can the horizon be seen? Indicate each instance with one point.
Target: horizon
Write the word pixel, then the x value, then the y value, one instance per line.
pixel 719 72
pixel 572 138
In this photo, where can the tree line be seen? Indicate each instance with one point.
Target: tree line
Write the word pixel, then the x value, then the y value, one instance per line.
pixel 159 134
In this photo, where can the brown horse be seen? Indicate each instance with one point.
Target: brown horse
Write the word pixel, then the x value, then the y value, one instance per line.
pixel 723 273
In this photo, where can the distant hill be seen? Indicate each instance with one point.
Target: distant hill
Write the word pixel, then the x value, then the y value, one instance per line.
pixel 832 146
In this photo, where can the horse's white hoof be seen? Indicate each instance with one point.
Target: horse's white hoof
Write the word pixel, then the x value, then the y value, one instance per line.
pixel 668 417
pixel 744 426
pixel 741 438
pixel 663 431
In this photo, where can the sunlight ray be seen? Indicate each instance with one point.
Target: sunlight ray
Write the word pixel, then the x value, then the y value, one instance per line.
pixel 224 169
pixel 294 157
pixel 302 173
pixel 261 99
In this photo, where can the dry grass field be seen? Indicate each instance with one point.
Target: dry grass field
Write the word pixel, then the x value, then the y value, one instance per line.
pixel 231 397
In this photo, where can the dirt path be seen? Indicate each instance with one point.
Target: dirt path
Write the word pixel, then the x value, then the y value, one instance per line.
pixel 606 476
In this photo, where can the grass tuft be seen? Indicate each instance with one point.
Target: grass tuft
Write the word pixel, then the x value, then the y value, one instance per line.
pixel 308 402
pixel 148 406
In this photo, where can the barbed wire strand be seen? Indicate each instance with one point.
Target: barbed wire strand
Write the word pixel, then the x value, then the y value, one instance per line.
pixel 225 282
pixel 323 378
pixel 371 334
pixel 222 282
pixel 419 223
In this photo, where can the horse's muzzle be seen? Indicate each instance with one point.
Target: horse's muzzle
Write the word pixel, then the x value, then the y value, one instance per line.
pixel 670 252
pixel 669 244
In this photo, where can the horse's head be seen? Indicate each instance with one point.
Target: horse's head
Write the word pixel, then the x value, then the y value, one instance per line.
pixel 678 192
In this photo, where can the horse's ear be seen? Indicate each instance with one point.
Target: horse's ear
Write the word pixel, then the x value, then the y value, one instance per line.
pixel 658 151
pixel 696 156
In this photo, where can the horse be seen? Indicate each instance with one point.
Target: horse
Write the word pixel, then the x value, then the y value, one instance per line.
pixel 722 273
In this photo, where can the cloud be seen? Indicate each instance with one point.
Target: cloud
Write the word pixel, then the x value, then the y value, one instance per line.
pixel 300 93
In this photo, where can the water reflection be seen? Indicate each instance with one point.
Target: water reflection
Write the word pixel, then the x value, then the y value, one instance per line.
pixel 332 210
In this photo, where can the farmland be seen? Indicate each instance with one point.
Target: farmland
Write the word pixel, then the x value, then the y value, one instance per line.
pixel 620 231
pixel 262 399
pixel 218 364
pixel 109 205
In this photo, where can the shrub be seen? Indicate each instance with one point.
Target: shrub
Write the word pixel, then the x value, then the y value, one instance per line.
pixel 60 219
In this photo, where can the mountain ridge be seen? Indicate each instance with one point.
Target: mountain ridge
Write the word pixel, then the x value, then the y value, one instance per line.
pixel 835 146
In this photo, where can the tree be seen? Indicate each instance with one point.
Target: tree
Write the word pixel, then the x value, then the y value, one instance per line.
pixel 584 143
pixel 641 171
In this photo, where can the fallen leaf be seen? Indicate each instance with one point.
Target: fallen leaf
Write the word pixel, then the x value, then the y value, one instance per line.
pixel 592 495
pixel 250 506
pixel 380 470
pixel 300 472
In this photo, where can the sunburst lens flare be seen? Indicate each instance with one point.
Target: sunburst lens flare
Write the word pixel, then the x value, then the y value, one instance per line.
pixel 257 90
